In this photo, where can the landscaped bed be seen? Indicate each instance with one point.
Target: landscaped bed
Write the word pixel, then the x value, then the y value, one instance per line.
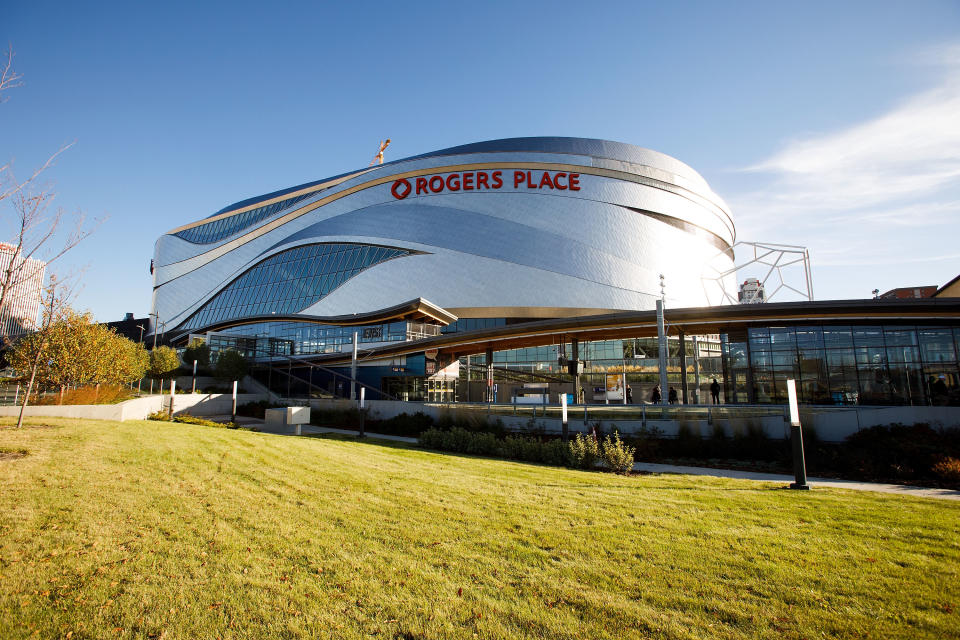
pixel 151 529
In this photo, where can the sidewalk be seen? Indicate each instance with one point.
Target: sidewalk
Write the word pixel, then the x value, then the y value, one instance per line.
pixel 901 489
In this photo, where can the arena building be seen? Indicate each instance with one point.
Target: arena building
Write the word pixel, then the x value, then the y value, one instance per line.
pixel 436 262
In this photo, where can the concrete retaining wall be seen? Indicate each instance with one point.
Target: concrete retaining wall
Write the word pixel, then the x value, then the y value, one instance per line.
pixel 832 424
pixel 197 404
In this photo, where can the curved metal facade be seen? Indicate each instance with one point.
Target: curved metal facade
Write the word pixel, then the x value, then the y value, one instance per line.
pixel 521 227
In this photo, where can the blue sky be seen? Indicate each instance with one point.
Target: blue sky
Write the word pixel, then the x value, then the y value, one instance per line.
pixel 830 125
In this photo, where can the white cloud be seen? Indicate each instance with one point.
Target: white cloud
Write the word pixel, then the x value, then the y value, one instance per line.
pixel 908 152
pixel 877 203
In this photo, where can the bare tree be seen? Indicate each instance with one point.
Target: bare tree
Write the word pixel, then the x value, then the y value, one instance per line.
pixel 38 233
pixel 41 235
pixel 10 79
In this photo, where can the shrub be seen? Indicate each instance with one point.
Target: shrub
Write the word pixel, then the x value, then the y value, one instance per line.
pixel 646 443
pixel 556 452
pixel 339 418
pixel 230 365
pixel 469 420
pixel 898 452
pixel 584 452
pixel 404 424
pixel 616 455
pixel 186 418
pixel 948 470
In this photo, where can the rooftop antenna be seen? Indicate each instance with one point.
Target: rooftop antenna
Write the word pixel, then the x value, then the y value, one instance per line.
pixel 378 159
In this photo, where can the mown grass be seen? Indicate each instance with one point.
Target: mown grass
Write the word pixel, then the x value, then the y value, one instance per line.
pixel 146 529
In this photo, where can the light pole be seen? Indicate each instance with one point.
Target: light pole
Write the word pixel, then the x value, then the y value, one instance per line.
pixel 156 328
pixel 662 343
pixel 141 327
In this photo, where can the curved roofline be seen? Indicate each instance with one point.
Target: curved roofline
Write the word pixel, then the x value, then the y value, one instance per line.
pixel 594 147
pixel 416 309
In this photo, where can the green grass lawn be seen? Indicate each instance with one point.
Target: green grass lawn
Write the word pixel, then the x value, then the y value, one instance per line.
pixel 146 529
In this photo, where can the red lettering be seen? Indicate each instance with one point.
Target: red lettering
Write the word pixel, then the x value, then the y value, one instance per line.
pixel 468 181
pixel 421 185
pixel 556 180
pixel 453 182
pixel 530 184
pixel 436 184
pixel 574 182
pixel 545 180
pixel 497 182
pixel 482 180
pixel 518 177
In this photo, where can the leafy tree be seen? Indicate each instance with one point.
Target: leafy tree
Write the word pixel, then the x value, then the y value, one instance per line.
pixel 199 351
pixel 231 365
pixel 163 361
pixel 133 362
pixel 71 349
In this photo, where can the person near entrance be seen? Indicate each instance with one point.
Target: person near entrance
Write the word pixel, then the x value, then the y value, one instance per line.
pixel 672 396
pixel 655 396
pixel 715 391
pixel 629 395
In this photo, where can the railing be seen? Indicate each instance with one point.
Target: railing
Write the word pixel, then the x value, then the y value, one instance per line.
pixel 10 394
pixel 630 412
pixel 288 363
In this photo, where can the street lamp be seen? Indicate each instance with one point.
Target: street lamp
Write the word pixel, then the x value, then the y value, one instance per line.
pixel 156 328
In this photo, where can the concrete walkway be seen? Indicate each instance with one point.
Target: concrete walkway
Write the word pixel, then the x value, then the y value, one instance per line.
pixel 901 489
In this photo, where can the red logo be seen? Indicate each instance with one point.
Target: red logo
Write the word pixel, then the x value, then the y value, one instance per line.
pixel 401 189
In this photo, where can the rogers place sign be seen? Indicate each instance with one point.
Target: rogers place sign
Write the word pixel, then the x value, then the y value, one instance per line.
pixel 485 180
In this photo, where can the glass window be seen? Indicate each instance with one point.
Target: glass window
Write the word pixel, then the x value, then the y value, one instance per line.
pixel 870 355
pixel 292 280
pixel 937 345
pixel 899 336
pixel 782 338
pixel 809 337
pixel 840 357
pixel 902 354
pixel 784 358
pixel 220 229
pixel 868 336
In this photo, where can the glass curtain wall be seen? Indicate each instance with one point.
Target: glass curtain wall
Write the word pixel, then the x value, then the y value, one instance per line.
pixel 838 365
